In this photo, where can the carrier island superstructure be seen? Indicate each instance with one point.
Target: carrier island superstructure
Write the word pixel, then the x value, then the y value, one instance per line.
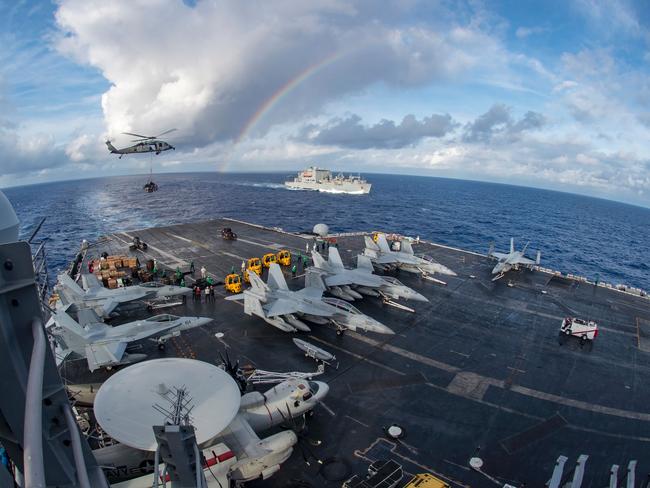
pixel 320 179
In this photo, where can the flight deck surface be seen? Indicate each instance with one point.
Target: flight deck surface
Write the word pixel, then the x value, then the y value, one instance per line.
pixel 478 371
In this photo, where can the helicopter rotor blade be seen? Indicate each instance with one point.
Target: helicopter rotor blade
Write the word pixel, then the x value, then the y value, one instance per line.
pixel 166 132
pixel 137 135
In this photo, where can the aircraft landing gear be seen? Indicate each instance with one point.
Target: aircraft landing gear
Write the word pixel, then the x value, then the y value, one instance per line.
pixel 161 346
pixel 340 332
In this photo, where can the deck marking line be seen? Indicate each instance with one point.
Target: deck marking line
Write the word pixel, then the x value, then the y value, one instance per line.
pixel 180 237
pixel 163 253
pixel 358 421
pixel 403 352
pixel 484 381
pixel 355 355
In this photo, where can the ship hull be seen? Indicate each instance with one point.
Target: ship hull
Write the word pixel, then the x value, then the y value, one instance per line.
pixel 351 189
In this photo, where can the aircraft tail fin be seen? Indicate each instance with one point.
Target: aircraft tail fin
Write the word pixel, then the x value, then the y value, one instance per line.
pixel 110 146
pixel 364 263
pixel 314 280
pixel 71 286
pixel 370 244
pixel 257 284
pixel 512 244
pixel 276 279
pixel 319 261
pixel 68 333
pixel 253 306
pixel 335 259
pixel 491 249
pixel 525 247
pixel 382 242
pixel 406 247
pixel 538 258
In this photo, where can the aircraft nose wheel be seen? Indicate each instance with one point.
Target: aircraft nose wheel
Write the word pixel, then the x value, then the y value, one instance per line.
pixel 161 346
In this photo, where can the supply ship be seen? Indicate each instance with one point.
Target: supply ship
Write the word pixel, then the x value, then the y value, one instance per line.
pixel 479 383
pixel 320 179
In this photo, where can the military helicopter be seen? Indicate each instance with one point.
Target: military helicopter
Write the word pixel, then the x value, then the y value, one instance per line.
pixel 144 144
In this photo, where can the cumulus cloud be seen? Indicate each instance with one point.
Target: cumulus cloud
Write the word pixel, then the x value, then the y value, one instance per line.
pixel 350 132
pixel 498 120
pixel 22 153
pixel 219 70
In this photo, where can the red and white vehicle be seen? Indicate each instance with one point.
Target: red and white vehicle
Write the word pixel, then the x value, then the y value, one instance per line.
pixel 582 329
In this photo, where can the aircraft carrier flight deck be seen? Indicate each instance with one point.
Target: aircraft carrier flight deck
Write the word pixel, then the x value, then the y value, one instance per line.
pixel 481 370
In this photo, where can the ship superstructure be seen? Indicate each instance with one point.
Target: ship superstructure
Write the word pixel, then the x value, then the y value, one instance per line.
pixel 320 179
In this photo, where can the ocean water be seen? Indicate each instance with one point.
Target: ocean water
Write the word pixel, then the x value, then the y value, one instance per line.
pixel 576 234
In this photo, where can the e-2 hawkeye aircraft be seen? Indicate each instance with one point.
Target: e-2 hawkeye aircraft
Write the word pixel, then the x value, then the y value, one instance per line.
pixel 276 304
pixel 145 144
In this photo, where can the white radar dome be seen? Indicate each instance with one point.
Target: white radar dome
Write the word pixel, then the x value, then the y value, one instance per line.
pixel 321 229
pixel 8 221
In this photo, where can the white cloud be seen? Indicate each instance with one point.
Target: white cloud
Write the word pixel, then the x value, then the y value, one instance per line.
pixel 523 32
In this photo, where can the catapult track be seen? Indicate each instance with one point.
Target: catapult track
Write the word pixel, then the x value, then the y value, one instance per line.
pixel 480 366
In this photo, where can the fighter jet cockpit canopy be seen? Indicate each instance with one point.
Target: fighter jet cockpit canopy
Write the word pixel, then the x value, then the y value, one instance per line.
pixel 8 221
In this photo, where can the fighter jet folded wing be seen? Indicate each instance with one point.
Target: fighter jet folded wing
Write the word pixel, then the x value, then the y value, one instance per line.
pixel 104 353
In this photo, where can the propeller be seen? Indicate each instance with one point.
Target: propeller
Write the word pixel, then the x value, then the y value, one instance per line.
pixel 234 371
pixel 290 423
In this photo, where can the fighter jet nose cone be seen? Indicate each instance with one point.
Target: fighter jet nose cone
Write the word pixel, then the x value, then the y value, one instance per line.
pixel 383 329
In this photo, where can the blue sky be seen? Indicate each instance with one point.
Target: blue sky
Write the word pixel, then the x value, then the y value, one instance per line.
pixel 549 94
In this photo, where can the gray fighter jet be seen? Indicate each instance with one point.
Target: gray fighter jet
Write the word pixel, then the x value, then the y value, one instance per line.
pixel 278 305
pixel 383 257
pixel 105 346
pixel 512 260
pixel 103 301
pixel 349 284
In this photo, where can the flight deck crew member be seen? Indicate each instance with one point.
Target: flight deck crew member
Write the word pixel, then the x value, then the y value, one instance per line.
pixel 243 267
pixel 207 294
pixel 197 293
pixel 212 293
pixel 192 267
pixel 204 272
pixel 293 271
pixel 306 247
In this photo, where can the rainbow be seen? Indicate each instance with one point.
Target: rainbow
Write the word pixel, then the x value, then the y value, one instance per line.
pixel 281 93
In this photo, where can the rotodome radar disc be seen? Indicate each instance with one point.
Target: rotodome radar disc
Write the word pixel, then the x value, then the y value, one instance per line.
pixel 124 403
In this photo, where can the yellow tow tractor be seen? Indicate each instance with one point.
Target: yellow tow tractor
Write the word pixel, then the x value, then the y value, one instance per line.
pixel 375 236
pixel 254 265
pixel 267 259
pixel 284 257
pixel 426 480
pixel 233 283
